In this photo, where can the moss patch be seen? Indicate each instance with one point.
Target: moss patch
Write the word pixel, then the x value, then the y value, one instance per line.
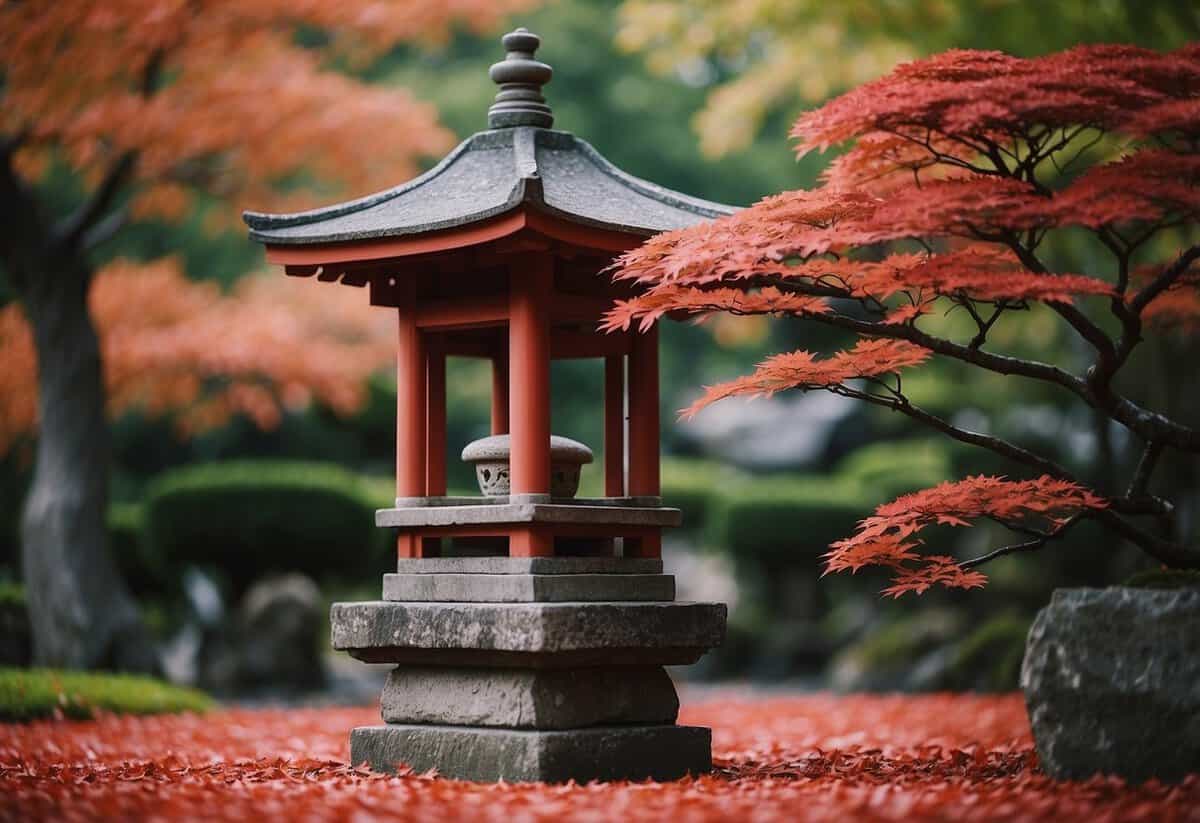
pixel 29 694
pixel 1165 579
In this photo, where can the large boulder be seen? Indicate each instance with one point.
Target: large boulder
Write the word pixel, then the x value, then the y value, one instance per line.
pixel 1112 683
pixel 270 646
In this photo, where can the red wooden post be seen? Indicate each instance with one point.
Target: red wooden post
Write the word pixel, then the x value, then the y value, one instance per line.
pixel 531 283
pixel 530 542
pixel 410 397
pixel 500 394
pixel 643 415
pixel 435 426
pixel 614 426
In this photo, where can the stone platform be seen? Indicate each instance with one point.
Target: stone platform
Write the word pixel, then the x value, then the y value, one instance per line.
pixel 530 669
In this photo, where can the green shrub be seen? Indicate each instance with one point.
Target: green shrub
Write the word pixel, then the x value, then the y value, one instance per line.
pixel 252 518
pixel 694 486
pixel 141 568
pixel 16 639
pixel 887 470
pixel 12 595
pixel 1165 579
pixel 27 694
pixel 989 659
pixel 786 518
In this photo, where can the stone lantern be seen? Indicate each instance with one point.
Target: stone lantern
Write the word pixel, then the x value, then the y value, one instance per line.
pixel 529 627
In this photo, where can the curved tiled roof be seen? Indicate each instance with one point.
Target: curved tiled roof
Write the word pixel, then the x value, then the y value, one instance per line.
pixel 489 174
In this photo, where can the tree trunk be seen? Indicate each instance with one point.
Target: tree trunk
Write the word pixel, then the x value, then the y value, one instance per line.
pixel 80 610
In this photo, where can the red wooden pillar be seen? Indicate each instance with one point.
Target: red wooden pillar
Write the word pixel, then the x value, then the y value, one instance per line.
pixel 614 426
pixel 644 433
pixel 531 288
pixel 435 425
pixel 500 394
pixel 410 408
pixel 643 415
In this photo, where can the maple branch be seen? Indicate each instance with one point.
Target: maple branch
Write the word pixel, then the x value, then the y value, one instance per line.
pixel 70 231
pixel 1145 468
pixel 1028 546
pixel 1165 279
pixel 899 403
pixel 105 229
pixel 1168 552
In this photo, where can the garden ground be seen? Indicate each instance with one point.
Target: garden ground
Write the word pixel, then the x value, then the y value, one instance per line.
pixel 813 757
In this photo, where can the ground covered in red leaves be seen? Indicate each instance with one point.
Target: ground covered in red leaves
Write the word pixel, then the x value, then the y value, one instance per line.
pixel 820 757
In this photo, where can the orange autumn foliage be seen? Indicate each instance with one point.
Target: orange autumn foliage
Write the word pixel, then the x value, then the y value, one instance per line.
pixel 954 171
pixel 219 97
pixel 168 105
pixel 173 345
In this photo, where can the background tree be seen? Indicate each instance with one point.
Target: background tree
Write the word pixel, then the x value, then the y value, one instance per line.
pixel 961 166
pixel 151 108
pixel 762 59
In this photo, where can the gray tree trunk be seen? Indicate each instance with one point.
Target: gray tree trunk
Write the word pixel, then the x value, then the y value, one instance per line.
pixel 80 610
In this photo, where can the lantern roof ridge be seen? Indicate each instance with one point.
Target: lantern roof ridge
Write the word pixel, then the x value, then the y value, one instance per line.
pixel 519 162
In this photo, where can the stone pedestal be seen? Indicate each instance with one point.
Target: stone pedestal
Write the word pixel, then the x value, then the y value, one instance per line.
pixel 531 669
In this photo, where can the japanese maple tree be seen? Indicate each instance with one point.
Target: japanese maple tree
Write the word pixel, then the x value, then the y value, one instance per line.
pixel 148 105
pixel 957 171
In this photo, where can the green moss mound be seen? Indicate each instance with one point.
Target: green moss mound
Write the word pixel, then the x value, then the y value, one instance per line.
pixel 1165 579
pixel 29 694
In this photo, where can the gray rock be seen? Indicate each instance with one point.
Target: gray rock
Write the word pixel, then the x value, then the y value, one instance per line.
pixel 279 627
pixel 527 588
pixel 529 565
pixel 603 753
pixel 1112 683
pixel 529 699
pixel 527 634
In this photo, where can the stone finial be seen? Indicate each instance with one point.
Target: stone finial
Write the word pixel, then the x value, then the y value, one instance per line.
pixel 519 101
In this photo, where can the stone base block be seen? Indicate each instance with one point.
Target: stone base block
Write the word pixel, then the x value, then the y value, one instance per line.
pixel 602 753
pixel 530 698
pixel 527 588
pixel 527 635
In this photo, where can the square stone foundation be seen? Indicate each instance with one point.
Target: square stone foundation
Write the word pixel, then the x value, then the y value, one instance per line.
pixel 530 669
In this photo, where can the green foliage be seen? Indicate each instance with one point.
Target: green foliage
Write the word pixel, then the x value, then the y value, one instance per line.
pixel 785 519
pixel 12 595
pixel 1165 579
pixel 142 569
pixel 251 518
pixel 694 487
pixel 989 659
pixel 889 469
pixel 16 640
pixel 28 694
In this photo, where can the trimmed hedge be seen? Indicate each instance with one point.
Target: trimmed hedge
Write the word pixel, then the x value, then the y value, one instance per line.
pixel 786 519
pixel 694 487
pixel 887 470
pixel 251 518
pixel 29 694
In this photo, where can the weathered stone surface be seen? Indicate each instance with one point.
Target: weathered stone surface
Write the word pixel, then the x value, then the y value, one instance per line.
pixel 529 699
pixel 602 753
pixel 529 565
pixel 527 634
pixel 527 588
pixel 506 513
pixel 1112 683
